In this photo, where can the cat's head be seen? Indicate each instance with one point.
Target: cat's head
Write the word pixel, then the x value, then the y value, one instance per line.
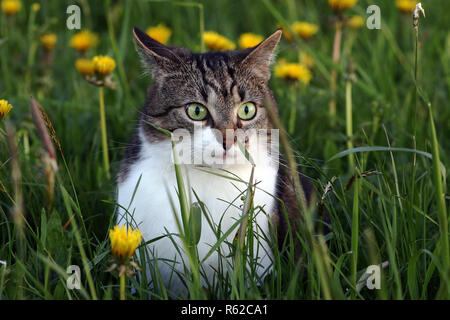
pixel 218 92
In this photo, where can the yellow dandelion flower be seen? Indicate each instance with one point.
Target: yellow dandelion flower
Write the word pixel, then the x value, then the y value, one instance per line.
pixel 304 29
pixel 124 242
pixel 307 60
pixel 293 71
pixel 11 7
pixel 355 22
pixel 160 33
pixel 48 41
pixel 406 6
pixel 341 5
pixel 5 108
pixel 248 40
pixel 36 7
pixel 84 40
pixel 104 65
pixel 215 41
pixel 85 66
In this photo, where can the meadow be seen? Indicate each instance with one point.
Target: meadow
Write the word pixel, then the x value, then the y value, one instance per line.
pixel 368 123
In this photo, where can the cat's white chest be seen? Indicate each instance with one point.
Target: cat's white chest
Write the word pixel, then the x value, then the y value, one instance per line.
pixel 150 204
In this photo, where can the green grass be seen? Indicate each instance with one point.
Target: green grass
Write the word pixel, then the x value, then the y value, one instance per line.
pixel 392 208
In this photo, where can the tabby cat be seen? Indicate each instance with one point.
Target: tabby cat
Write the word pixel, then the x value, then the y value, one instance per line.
pixel 203 93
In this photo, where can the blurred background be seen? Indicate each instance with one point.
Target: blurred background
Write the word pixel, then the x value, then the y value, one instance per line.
pixel 377 66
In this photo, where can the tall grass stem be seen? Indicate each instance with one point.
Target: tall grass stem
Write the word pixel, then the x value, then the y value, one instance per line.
pixel 104 133
pixel 122 286
pixel 336 57
pixel 355 229
pixel 440 202
pixel 349 122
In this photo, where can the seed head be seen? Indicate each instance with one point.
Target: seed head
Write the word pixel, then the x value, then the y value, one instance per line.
pixel 416 15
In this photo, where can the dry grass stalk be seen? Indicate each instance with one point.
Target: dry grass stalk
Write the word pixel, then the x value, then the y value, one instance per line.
pixel 336 57
pixel 42 123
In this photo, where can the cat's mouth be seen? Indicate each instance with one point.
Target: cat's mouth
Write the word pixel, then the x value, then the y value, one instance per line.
pixel 224 155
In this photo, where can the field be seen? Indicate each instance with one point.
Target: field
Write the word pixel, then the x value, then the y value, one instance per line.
pixel 382 153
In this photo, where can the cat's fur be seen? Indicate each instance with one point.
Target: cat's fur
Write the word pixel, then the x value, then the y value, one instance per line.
pixel 221 81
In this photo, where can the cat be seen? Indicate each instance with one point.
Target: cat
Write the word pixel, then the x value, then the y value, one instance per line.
pixel 204 93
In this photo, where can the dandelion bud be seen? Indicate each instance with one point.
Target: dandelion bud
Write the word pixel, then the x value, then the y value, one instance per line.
pixel 406 6
pixel 305 29
pixel 5 108
pixel 215 41
pixel 11 7
pixel 341 5
pixel 103 65
pixel 124 242
pixel 355 22
pixel 160 33
pixel 48 41
pixel 84 40
pixel 248 40
pixel 36 7
pixel 85 66
pixel 293 71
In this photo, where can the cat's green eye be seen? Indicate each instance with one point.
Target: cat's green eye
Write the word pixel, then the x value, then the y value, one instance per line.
pixel 196 111
pixel 247 111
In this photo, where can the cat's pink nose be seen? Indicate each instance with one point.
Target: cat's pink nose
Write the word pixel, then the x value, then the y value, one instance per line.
pixel 228 138
pixel 227 142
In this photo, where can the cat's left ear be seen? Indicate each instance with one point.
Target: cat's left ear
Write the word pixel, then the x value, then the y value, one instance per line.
pixel 261 57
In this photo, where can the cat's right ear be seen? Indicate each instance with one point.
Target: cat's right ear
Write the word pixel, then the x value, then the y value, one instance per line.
pixel 153 53
pixel 261 57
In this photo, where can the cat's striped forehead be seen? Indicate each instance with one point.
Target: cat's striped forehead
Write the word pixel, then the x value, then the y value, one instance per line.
pixel 221 81
pixel 218 80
